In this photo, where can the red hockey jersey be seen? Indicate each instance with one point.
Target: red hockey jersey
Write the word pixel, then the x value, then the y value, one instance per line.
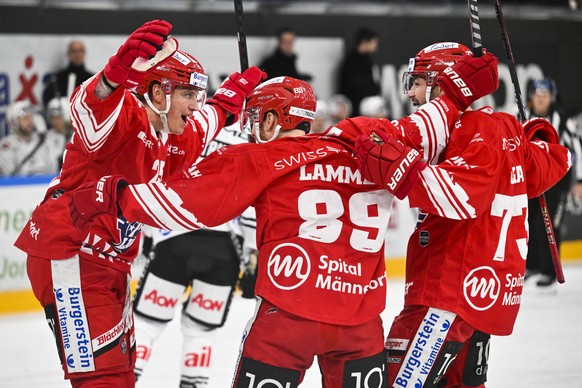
pixel 320 227
pixel 111 136
pixel 467 255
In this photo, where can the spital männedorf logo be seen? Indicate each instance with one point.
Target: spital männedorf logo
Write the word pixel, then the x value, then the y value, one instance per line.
pixel 288 266
pixel 481 288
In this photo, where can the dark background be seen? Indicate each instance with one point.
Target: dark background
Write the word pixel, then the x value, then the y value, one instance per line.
pixel 548 36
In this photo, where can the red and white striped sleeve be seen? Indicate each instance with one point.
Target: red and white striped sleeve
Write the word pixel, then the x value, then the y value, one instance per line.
pixel 94 120
pixel 208 122
pixel 463 186
pixel 222 186
pixel 157 205
pixel 429 128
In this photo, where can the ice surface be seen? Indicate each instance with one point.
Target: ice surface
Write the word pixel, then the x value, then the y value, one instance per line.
pixel 544 351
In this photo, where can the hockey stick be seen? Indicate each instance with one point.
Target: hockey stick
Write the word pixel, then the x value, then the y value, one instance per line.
pixel 243 54
pixel 475 28
pixel 542 198
pixel 241 36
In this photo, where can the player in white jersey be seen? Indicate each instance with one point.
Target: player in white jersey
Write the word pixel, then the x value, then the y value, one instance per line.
pixel 26 151
pixel 542 102
pixel 208 260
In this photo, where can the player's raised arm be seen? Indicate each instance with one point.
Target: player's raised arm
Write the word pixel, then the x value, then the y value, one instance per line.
pixel 144 49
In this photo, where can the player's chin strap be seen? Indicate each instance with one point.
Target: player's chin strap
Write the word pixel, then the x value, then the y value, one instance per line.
pixel 431 81
pixel 258 133
pixel 427 95
pixel 163 115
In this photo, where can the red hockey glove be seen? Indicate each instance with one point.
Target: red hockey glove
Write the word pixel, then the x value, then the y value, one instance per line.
pixel 142 43
pixel 388 162
pixel 233 91
pixel 95 198
pixel 470 79
pixel 540 129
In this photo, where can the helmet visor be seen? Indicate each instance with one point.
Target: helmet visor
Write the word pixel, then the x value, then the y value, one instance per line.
pixel 409 77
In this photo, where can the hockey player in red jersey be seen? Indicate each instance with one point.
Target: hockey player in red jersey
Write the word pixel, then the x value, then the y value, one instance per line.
pixel 81 278
pixel 466 258
pixel 320 232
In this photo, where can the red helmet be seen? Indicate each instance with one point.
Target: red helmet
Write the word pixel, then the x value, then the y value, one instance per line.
pixel 431 61
pixel 291 99
pixel 180 69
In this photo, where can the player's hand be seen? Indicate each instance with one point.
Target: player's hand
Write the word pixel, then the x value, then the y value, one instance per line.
pixel 233 91
pixel 144 42
pixel 540 129
pixel 384 160
pixel 470 79
pixel 95 198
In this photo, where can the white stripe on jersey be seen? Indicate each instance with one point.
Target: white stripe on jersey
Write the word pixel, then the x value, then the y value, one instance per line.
pixel 448 198
pixel 207 119
pixel 162 205
pixel 434 129
pixel 92 134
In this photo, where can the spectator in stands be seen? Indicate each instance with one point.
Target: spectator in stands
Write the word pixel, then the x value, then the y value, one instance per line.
pixel 359 76
pixel 542 102
pixel 283 61
pixel 576 191
pixel 58 117
pixel 321 120
pixel 339 107
pixel 374 106
pixel 63 82
pixel 25 151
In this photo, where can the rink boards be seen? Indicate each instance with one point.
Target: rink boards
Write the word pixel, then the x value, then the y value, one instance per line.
pixel 19 196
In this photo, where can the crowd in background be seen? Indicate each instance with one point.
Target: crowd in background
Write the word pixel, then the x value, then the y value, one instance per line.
pixel 38 134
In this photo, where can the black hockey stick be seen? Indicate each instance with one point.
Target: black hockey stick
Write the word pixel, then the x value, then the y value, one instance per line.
pixel 242 47
pixel 542 198
pixel 509 54
pixel 241 36
pixel 475 28
pixel 244 64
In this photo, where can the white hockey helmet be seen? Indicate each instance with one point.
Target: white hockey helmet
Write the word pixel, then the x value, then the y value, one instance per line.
pixel 59 106
pixel 17 110
pixel 374 106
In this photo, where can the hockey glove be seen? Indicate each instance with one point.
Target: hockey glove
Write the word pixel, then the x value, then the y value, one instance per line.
pixel 387 162
pixel 540 129
pixel 144 42
pixel 233 91
pixel 95 198
pixel 470 79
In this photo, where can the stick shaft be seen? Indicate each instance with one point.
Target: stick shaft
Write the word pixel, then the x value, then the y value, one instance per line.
pixel 475 28
pixel 555 253
pixel 241 36
pixel 509 54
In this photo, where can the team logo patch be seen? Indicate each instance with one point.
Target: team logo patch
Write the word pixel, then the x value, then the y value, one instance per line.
pixel 57 193
pixel 288 266
pixel 481 288
pixel 423 238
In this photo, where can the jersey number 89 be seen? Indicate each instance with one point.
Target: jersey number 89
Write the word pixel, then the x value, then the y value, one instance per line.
pixel 367 215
